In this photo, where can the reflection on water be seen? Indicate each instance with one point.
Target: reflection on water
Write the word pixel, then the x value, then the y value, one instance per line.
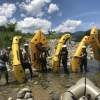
pixel 47 84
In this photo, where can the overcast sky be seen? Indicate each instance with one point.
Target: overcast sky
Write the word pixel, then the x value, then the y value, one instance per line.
pixel 59 15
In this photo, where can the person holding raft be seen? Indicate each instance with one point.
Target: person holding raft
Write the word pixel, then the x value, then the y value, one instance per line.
pixel 83 64
pixel 64 58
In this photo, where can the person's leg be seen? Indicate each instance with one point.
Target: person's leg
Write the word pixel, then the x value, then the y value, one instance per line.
pixel 81 67
pixel 23 66
pixel 0 73
pixel 30 69
pixel 45 66
pixel 5 74
pixel 85 66
pixel 65 67
pixel 42 67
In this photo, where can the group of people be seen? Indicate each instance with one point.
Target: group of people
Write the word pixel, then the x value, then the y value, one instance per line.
pixel 83 59
pixel 5 61
pixel 63 56
pixel 42 58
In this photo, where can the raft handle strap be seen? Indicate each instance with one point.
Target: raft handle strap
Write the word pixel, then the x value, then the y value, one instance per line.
pixel 85 85
pixel 73 96
pixel 96 98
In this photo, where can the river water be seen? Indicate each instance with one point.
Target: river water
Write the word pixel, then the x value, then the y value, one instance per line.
pixel 46 85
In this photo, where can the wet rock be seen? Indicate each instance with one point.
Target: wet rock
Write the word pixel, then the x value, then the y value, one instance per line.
pixel 30 99
pixel 36 74
pixel 35 83
pixel 25 94
pixel 55 95
pixel 44 84
pixel 22 92
pixel 16 89
pixel 51 91
pixel 27 89
pixel 28 95
pixel 22 85
pixel 10 98
pixel 68 85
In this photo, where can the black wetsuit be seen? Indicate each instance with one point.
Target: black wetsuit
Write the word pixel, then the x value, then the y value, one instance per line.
pixel 26 64
pixel 43 61
pixel 83 62
pixel 3 69
pixel 64 58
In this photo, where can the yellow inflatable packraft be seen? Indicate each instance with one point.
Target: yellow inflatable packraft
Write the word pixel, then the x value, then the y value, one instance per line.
pixel 56 57
pixel 93 41
pixel 16 63
pixel 39 37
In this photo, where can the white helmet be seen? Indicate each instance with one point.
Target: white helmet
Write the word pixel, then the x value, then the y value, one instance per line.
pixel 64 46
pixel 25 44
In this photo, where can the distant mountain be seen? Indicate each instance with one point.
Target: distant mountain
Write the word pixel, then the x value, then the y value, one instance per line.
pixel 77 36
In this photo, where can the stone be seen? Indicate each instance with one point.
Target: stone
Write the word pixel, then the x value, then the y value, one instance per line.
pixel 26 89
pixel 55 96
pixel 35 83
pixel 36 74
pixel 10 98
pixel 51 92
pixel 30 99
pixel 22 85
pixel 67 86
pixel 16 89
pixel 22 92
pixel 28 95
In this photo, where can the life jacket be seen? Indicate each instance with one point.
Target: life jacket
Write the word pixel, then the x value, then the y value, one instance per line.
pixel 64 54
pixel 2 64
pixel 4 57
pixel 84 56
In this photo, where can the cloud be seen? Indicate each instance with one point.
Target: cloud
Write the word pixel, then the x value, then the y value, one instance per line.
pixel 23 15
pixel 13 20
pixel 3 20
pixel 7 10
pixel 53 8
pixel 30 24
pixel 68 26
pixel 34 7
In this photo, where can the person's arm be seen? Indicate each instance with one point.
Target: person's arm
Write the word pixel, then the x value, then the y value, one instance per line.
pixel 84 54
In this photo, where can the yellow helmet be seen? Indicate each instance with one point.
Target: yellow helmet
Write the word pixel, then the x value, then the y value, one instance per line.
pixel 84 47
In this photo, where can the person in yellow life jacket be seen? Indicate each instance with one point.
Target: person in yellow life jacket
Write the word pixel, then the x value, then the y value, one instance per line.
pixel 83 64
pixel 64 58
